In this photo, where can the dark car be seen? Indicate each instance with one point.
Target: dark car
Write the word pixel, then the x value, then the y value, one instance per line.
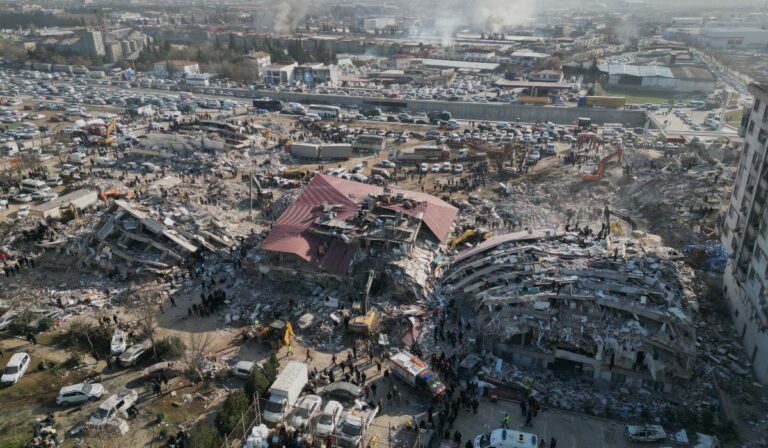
pixel 342 391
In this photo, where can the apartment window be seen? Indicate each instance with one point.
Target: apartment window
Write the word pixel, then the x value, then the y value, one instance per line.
pixel 765 114
pixel 756 107
pixel 756 156
pixel 762 136
pixel 751 127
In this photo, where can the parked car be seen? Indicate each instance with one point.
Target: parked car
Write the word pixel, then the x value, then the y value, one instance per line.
pixel 645 433
pixel 243 368
pixel 79 393
pixel 23 212
pixel 133 354
pixel 14 370
pixel 119 342
pixel 114 406
pixel 329 419
pixel 305 410
pixel 342 390
pixel 22 197
pixel 7 319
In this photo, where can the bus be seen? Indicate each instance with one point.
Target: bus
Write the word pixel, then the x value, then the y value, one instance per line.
pixel 268 104
pixel 325 111
pixel 34 186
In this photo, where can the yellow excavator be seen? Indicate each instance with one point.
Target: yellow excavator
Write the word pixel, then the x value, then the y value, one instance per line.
pixel 108 138
pixel 472 236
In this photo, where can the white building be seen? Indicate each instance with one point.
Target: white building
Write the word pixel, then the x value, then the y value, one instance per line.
pixel 198 79
pixel 277 74
pixel 745 238
pixel 526 58
pixel 734 37
pixel 479 54
pixel 377 23
pixel 175 68
pixel 679 78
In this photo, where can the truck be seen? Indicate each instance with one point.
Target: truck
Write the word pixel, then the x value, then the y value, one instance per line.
pixel 353 425
pixel 415 372
pixel 605 101
pixel 335 151
pixel 305 150
pixel 435 116
pixel 285 391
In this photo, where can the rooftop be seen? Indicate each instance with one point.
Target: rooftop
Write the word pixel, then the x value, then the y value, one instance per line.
pixel 326 222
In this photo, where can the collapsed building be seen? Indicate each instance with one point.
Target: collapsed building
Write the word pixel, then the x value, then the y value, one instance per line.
pixel 336 225
pixel 131 238
pixel 614 309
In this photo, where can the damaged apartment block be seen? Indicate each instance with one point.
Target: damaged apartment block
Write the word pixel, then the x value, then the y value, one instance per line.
pixel 613 309
pixel 336 224
pixel 130 241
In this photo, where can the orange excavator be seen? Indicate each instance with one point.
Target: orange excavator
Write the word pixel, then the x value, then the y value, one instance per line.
pixel 598 172
pixel 115 193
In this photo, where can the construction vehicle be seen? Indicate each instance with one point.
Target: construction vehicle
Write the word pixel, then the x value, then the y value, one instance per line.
pixel 615 227
pixel 115 193
pixel 108 138
pixel 365 321
pixel 472 236
pixel 272 334
pixel 597 174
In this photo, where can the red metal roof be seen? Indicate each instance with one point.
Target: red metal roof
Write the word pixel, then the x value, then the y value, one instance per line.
pixel 291 233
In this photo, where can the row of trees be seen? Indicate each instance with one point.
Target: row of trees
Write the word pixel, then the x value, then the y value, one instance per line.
pixel 39 19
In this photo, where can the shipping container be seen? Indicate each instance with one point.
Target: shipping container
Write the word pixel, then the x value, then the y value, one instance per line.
pixel 305 150
pixel 336 151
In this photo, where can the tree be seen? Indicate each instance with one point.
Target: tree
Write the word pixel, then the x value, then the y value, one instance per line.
pixel 232 412
pixel 147 316
pixel 205 436
pixel 201 57
pixel 171 347
pixel 198 345
pixel 257 384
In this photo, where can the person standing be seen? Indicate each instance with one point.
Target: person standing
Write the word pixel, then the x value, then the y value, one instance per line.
pixel 505 421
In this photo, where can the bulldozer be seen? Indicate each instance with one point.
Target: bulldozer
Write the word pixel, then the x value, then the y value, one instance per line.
pixel 271 334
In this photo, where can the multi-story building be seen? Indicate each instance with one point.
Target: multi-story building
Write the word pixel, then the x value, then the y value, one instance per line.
pixel 277 74
pixel 745 238
pixel 316 74
pixel 175 68
pixel 93 42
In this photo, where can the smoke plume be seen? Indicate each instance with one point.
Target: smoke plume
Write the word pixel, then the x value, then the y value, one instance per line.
pixel 288 14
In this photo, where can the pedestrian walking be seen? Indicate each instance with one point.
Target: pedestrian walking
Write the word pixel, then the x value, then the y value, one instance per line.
pixel 333 359
pixel 289 350
pixel 505 421
pixel 553 443
pixel 309 355
pixel 523 409
pixel 529 419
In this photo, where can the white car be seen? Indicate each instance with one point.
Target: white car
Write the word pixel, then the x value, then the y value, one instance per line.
pixel 435 167
pixel 22 212
pixel 387 164
pixel 329 419
pixel 133 354
pixel 79 393
pixel 243 368
pixel 306 408
pixel 7 318
pixel 51 195
pixel 119 342
pixel 645 433
pixel 113 406
pixel 458 168
pixel 14 370
pixel 22 197
pixel 423 167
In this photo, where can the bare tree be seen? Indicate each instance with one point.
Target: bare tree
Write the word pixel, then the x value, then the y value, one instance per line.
pixel 147 315
pixel 198 345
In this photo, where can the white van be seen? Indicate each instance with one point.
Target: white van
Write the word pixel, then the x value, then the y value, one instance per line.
pixel 506 438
